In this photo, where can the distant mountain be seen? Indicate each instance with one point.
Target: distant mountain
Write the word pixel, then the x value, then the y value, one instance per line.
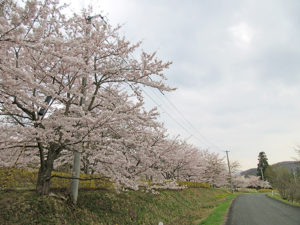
pixel 249 172
pixel 291 165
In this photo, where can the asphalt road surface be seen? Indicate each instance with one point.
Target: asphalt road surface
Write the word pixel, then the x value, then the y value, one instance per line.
pixel 258 209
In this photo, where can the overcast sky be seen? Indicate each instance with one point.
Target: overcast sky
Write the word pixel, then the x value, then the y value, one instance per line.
pixel 236 65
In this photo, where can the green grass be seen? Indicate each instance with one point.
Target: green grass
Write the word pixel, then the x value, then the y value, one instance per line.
pixel 278 197
pixel 19 205
pixel 218 215
pixel 184 207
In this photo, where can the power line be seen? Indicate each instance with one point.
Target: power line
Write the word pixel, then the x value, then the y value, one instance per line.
pixel 173 106
pixel 189 123
pixel 203 139
pixel 176 121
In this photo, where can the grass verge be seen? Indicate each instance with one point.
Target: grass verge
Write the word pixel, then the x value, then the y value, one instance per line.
pixel 278 197
pixel 218 215
pixel 184 207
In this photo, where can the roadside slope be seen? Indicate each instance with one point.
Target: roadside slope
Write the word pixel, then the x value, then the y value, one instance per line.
pixel 108 207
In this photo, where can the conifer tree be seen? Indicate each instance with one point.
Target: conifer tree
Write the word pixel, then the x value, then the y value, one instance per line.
pixel 262 165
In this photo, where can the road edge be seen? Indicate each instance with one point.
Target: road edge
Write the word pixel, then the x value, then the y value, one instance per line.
pixel 293 206
pixel 229 211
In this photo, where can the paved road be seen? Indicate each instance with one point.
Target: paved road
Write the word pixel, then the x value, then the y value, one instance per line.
pixel 258 209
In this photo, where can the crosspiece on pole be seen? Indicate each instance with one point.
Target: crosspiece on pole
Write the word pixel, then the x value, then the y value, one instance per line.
pixel 43 110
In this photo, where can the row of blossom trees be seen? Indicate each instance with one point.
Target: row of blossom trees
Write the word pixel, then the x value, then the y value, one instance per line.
pixel 249 182
pixel 69 84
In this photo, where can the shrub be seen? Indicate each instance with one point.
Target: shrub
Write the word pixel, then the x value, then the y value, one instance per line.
pixel 17 178
pixel 266 190
pixel 192 184
pixel 12 178
pixel 20 178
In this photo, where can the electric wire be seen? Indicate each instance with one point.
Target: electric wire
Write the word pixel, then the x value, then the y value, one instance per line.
pixel 171 117
pixel 202 140
pixel 174 107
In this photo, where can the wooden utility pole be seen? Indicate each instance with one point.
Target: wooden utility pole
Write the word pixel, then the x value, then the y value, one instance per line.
pixel 231 189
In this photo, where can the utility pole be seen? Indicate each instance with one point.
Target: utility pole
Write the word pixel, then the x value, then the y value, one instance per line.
pixel 76 162
pixel 75 176
pixel 231 189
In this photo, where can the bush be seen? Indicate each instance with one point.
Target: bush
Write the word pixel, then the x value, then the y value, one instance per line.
pixel 266 190
pixel 192 184
pixel 11 178
pixel 17 178
pixel 286 182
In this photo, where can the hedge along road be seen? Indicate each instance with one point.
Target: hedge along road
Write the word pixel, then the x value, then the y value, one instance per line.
pixel 258 209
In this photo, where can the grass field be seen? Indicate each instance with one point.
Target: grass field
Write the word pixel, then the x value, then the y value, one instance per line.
pixel 188 206
pixel 99 203
pixel 218 214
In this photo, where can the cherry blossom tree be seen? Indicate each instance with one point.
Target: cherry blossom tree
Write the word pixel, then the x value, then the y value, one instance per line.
pixel 256 182
pixel 126 149
pixel 239 181
pixel 54 72
pixel 215 171
pixel 71 84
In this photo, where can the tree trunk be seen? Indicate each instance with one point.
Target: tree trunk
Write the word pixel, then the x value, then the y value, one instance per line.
pixel 44 175
pixel 43 181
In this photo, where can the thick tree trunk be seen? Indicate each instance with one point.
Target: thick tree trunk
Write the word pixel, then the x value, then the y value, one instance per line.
pixel 43 181
pixel 44 175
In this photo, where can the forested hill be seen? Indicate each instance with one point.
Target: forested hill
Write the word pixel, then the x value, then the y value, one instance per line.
pixel 291 165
